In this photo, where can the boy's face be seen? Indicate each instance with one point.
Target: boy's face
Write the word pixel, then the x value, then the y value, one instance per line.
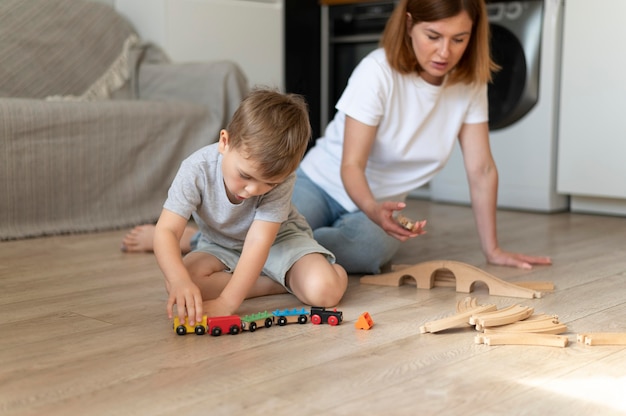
pixel 241 177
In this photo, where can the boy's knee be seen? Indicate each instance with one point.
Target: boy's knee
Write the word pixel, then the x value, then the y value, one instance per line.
pixel 325 290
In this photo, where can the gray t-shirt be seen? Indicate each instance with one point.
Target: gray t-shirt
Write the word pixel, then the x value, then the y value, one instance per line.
pixel 198 190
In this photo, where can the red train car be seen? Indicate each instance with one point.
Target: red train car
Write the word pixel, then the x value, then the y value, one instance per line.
pixel 219 325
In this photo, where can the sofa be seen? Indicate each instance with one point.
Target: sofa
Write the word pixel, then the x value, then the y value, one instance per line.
pixel 94 122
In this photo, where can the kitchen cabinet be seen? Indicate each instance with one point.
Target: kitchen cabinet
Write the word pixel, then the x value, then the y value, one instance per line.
pixel 592 122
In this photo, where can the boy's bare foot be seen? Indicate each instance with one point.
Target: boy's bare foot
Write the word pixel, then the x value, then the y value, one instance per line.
pixel 140 239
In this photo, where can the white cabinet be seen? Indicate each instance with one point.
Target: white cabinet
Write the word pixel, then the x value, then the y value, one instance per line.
pixel 592 126
pixel 249 32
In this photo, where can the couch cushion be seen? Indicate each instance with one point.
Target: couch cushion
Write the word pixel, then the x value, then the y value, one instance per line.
pixel 57 47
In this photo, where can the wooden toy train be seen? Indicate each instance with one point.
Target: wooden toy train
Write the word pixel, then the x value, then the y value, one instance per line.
pixel 234 324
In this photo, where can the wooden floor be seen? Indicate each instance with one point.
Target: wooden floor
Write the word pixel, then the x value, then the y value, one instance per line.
pixel 84 332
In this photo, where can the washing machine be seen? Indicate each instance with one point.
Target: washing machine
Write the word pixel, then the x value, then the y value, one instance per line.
pixel 523 109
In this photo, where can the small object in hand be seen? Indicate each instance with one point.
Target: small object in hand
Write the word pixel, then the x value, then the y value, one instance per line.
pixel 406 222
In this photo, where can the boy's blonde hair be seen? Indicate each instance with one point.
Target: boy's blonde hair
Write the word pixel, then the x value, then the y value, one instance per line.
pixel 272 130
pixel 475 65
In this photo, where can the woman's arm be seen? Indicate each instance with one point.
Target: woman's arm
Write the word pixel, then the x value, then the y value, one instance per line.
pixel 482 176
pixel 358 141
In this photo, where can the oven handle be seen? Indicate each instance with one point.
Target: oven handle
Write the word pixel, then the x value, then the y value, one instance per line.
pixel 368 38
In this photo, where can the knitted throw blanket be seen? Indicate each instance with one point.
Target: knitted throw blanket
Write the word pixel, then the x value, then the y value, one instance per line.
pixel 113 79
pixel 69 48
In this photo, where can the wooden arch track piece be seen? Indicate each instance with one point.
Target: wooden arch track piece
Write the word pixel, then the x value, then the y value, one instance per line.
pixel 465 276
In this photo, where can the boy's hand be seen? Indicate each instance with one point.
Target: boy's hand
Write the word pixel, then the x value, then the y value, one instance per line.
pixel 218 307
pixel 188 300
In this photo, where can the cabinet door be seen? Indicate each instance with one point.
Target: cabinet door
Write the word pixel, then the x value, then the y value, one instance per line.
pixel 592 125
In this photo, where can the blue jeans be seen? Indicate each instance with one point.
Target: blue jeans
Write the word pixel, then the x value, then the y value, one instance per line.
pixel 360 245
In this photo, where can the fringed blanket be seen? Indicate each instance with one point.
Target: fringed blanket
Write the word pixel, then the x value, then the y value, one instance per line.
pixel 84 162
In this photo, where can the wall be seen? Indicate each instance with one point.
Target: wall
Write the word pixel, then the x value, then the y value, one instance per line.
pixel 248 32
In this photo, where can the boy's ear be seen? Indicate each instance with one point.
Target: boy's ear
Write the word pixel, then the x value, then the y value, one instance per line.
pixel 223 142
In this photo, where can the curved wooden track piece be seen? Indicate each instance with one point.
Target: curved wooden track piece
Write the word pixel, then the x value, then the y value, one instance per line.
pixel 504 316
pixel 465 276
pixel 538 324
pixel 466 304
pixel 454 321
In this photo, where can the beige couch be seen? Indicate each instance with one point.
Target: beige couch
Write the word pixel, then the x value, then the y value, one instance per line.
pixel 93 122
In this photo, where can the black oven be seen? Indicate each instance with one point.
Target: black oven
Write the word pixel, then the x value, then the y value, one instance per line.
pixel 349 33
pixel 323 45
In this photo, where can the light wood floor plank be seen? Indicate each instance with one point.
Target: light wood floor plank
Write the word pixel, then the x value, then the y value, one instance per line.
pixel 84 331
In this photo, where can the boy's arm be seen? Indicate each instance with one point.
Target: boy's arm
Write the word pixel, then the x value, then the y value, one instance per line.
pixel 256 247
pixel 182 291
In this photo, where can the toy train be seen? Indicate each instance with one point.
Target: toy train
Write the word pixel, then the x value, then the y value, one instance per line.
pixel 234 324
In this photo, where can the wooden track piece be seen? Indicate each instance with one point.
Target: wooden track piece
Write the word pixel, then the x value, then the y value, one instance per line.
pixel 602 338
pixel 466 304
pixel 441 277
pixel 542 317
pixel 454 321
pixel 444 278
pixel 540 286
pixel 465 276
pixel 504 316
pixel 538 324
pixel 511 338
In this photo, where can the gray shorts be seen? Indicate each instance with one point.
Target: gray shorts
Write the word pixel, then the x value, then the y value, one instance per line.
pixel 294 240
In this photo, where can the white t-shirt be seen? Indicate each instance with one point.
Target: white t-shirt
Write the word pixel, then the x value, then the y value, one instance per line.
pixel 418 124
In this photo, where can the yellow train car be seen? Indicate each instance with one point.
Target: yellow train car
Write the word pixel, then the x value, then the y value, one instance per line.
pixel 183 328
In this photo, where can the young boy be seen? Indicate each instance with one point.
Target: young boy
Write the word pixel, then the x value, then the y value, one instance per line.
pixel 253 242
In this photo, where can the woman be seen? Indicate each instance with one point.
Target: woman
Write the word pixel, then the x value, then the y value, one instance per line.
pixel 397 120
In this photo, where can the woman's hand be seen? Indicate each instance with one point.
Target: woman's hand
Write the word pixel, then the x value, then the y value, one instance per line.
pixel 521 261
pixel 357 145
pixel 383 215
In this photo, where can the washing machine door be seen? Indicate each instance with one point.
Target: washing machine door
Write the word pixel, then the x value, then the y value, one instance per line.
pixel 515 46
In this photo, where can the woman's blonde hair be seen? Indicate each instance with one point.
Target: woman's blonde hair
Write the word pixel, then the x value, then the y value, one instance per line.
pixel 476 64
pixel 272 130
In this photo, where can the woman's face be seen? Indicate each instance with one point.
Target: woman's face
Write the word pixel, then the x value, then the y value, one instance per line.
pixel 439 45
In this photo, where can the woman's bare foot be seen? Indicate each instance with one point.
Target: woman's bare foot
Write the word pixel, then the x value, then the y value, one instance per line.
pixel 140 239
